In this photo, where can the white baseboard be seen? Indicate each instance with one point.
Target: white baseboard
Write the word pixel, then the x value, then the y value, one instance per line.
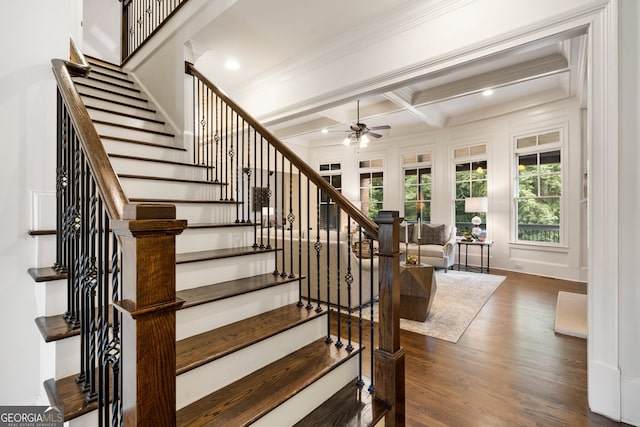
pixel 604 390
pixel 630 397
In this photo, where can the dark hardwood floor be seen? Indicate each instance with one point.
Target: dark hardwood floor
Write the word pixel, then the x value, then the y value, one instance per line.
pixel 508 369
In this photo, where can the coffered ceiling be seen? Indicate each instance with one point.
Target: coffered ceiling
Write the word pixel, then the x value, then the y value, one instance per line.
pixel 274 40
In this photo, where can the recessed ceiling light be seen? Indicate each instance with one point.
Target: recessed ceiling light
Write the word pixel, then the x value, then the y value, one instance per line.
pixel 487 92
pixel 232 64
pixel 325 131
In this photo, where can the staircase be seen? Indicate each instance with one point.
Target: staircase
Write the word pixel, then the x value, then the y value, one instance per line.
pixel 247 351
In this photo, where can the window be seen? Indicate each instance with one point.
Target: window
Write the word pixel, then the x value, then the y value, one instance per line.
pixel 371 187
pixel 330 172
pixel 538 187
pixel 417 187
pixel 470 181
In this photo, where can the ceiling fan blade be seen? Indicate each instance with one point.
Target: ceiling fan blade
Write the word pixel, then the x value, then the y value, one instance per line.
pixel 380 127
pixel 373 134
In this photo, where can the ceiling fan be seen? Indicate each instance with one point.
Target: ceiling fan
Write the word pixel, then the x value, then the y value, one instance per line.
pixel 360 132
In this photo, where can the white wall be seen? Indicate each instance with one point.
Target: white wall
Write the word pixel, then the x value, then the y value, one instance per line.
pixel 629 196
pixel 101 30
pixel 27 120
pixel 562 262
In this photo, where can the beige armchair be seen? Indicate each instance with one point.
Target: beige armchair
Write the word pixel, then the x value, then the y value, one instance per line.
pixel 437 243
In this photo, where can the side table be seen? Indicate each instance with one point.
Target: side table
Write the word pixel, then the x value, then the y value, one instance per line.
pixel 482 244
pixel 417 289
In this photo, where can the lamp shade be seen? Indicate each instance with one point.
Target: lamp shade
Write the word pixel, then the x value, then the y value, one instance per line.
pixel 475 204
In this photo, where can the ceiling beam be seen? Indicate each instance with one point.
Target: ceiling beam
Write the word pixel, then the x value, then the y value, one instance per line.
pixel 529 70
pixel 402 98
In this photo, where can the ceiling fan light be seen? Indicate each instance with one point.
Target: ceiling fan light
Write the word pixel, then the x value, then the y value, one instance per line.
pixel 346 141
pixel 364 141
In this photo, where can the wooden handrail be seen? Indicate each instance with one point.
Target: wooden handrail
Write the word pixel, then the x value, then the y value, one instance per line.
pixel 344 204
pixel 106 179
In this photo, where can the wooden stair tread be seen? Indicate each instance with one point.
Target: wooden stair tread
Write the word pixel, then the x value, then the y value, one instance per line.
pixel 134 128
pixel 135 141
pixel 112 92
pixel 217 291
pixel 92 60
pixel 46 274
pixel 349 407
pixel 54 328
pixel 113 101
pixel 219 254
pixel 96 78
pixel 168 162
pixel 211 225
pixel 41 232
pixel 123 78
pixel 119 113
pixel 66 393
pixel 206 347
pixel 246 400
pixel 161 178
pixel 222 202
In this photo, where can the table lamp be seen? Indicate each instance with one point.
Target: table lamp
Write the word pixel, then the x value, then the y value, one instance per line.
pixel 475 205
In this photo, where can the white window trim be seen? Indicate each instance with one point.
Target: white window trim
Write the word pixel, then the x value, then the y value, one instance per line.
pixel 562 146
pixel 416 165
pixel 374 169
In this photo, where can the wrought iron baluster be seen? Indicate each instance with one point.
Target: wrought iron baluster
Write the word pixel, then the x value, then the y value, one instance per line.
pixel 360 382
pixel 299 270
pixel 338 282
pixel 372 388
pixel 291 218
pixel 308 269
pixel 348 279
pixel 268 205
pixel 318 247
pixel 91 283
pixel 283 271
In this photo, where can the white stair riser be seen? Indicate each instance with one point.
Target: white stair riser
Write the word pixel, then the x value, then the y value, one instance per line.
pixel 60 358
pixel 51 297
pixel 106 95
pixel 107 70
pixel 300 405
pixel 206 213
pixel 89 419
pixel 154 189
pixel 196 320
pixel 135 135
pixel 46 248
pixel 121 88
pixel 99 103
pixel 200 239
pixel 206 379
pixel 109 77
pixel 194 274
pixel 126 120
pixel 162 170
pixel 113 146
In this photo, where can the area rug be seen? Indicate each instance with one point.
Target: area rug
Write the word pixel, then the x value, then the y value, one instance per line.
pixel 571 314
pixel 459 298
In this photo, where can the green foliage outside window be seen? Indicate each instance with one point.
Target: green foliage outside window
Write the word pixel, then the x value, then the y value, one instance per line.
pixel 538 201
pixel 417 194
pixel 471 181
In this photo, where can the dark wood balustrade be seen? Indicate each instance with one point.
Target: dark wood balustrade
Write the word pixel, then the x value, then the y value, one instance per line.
pixel 120 261
pixel 284 198
pixel 141 19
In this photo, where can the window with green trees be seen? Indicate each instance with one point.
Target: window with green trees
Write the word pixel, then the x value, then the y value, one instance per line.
pixel 371 187
pixel 471 181
pixel 417 187
pixel 538 198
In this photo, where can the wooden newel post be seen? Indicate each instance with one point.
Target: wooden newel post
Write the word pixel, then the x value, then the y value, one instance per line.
pixel 148 308
pixel 389 356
